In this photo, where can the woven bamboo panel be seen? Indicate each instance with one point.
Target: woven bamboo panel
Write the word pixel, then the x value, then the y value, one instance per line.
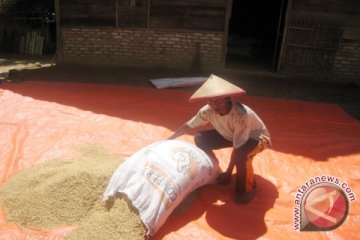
pixel 310 47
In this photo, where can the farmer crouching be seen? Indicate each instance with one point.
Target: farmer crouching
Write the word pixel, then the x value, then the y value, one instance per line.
pixel 234 125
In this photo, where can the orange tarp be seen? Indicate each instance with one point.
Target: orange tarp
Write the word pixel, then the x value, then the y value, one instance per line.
pixel 41 121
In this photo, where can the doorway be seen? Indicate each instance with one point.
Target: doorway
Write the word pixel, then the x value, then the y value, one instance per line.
pixel 253 33
pixel 28 28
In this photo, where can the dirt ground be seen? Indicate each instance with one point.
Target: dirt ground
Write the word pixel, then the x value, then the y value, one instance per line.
pixel 255 80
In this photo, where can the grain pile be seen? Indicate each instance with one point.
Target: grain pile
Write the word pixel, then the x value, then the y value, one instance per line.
pixel 69 192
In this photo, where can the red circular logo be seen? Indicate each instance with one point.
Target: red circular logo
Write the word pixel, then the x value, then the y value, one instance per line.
pixel 326 207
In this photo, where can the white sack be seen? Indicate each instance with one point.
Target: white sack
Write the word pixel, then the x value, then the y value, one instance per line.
pixel 159 176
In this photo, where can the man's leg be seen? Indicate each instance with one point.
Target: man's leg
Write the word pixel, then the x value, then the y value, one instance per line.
pixel 242 159
pixel 210 140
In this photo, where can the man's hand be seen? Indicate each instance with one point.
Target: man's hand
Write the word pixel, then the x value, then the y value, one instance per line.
pixel 182 130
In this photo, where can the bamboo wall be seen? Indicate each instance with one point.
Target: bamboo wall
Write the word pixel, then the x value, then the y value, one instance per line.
pixel 322 40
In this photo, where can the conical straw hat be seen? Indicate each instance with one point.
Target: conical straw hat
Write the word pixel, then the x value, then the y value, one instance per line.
pixel 215 87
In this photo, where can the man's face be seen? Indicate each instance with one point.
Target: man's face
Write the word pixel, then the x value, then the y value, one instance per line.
pixel 220 105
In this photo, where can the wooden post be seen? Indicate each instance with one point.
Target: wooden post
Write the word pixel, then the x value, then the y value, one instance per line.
pixel 226 31
pixel 117 13
pixel 284 34
pixel 278 35
pixel 148 14
pixel 59 37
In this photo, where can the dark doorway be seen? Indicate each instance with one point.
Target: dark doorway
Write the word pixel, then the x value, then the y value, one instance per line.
pixel 253 30
pixel 28 27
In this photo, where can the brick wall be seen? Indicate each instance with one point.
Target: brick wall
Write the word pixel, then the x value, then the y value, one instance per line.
pixel 346 67
pixel 142 47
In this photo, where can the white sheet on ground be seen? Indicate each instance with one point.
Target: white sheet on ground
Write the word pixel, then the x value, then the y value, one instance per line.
pixel 177 82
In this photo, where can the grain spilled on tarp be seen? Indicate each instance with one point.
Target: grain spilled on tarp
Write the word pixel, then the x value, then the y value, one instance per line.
pixel 69 192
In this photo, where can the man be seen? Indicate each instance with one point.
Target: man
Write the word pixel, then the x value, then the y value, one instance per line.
pixel 234 125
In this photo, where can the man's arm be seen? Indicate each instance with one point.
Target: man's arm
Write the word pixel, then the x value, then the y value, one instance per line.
pixel 194 122
pixel 182 130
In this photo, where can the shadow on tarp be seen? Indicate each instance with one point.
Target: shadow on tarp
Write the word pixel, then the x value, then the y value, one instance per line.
pixel 165 107
pixel 223 216
pixel 314 130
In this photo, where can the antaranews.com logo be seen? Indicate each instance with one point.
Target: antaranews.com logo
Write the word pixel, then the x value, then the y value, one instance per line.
pixel 322 204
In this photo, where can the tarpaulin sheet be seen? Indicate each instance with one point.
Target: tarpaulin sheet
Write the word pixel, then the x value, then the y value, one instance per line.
pixel 42 121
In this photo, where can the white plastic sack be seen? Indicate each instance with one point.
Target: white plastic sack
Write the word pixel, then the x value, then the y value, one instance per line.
pixel 158 177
